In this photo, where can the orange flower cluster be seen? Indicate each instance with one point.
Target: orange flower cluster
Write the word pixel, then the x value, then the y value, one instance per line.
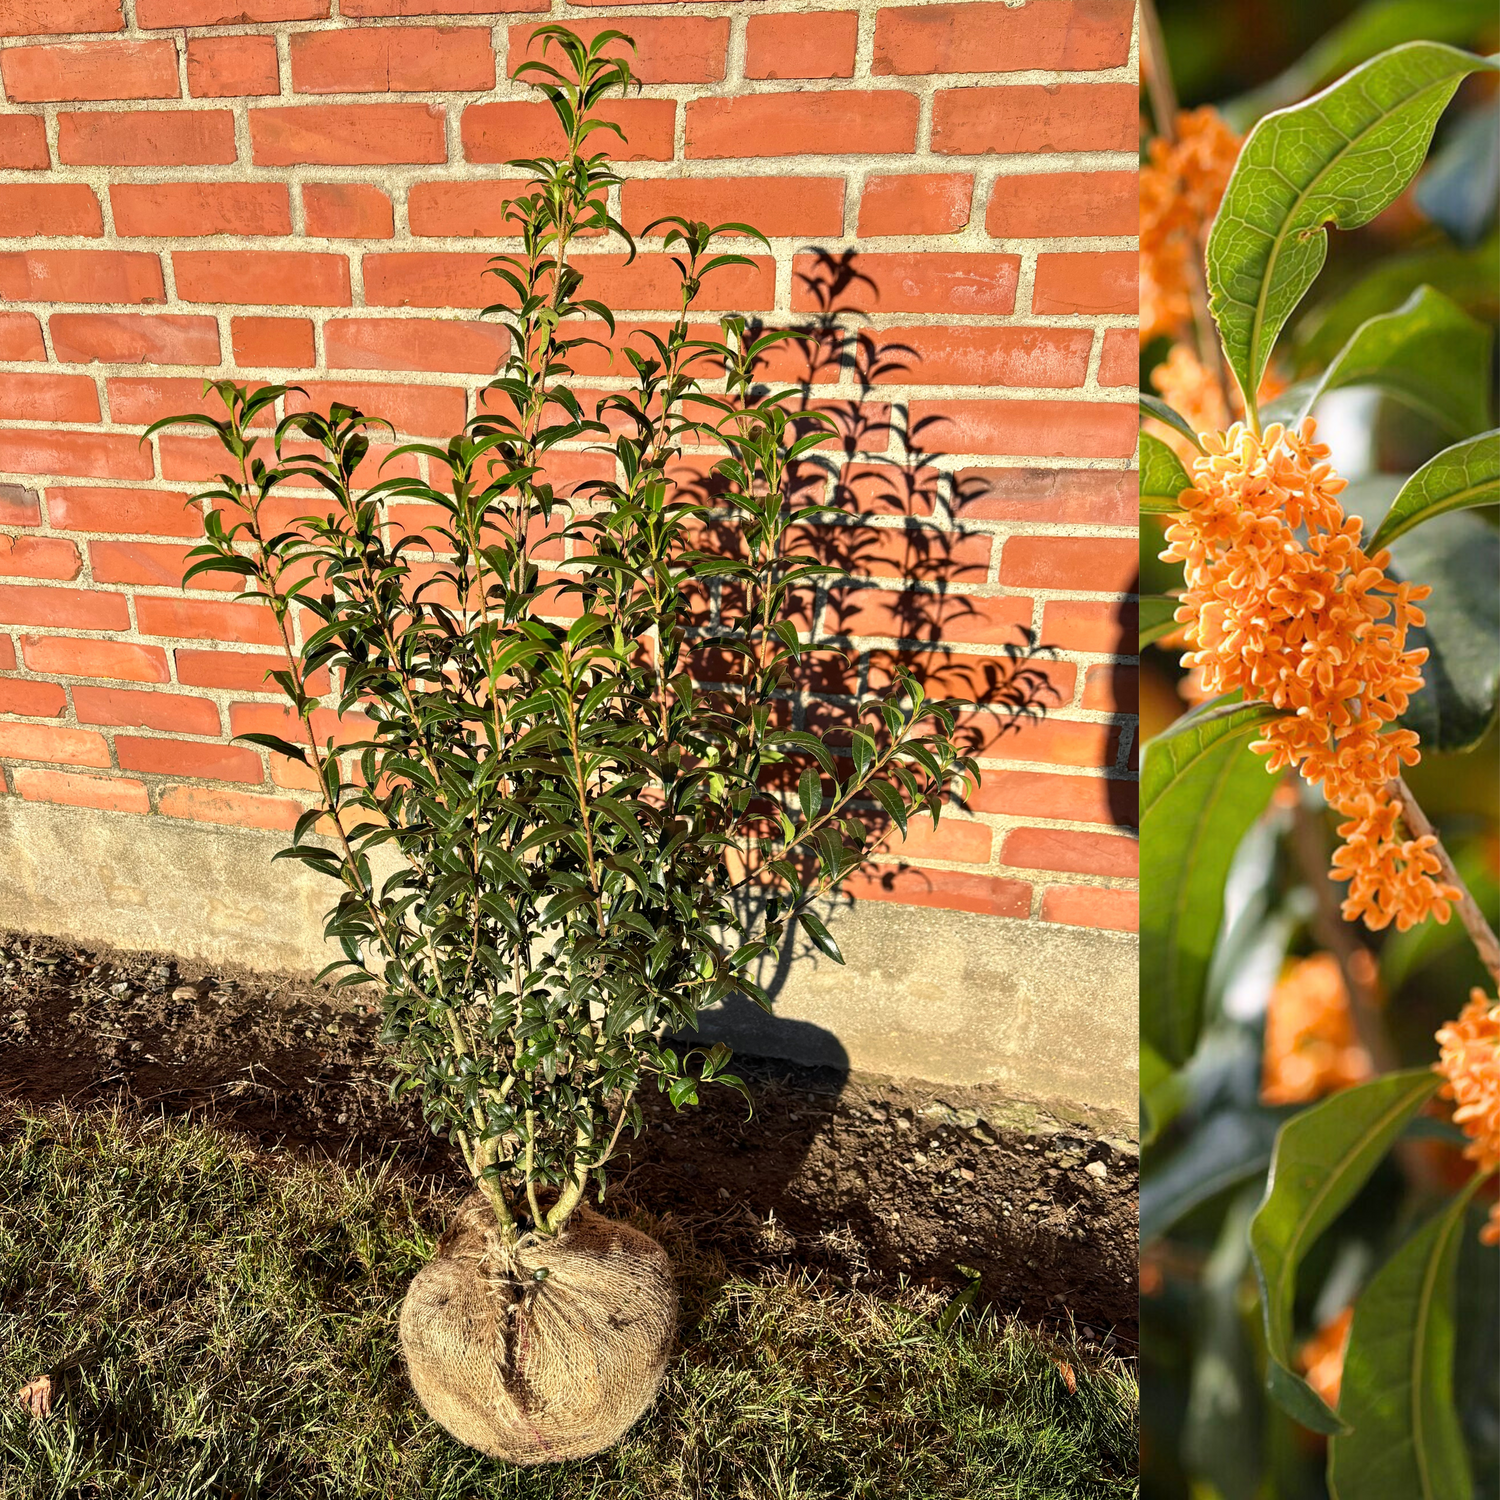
pixel 1182 182
pixel 1311 1049
pixel 1315 628
pixel 1470 1063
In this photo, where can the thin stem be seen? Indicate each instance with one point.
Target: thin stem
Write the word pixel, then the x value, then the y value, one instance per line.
pixel 1480 932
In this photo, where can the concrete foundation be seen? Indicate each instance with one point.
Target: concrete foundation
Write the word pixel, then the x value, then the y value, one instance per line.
pixel 1045 1012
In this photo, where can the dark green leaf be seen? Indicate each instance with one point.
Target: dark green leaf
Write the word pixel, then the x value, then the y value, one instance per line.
pixel 814 928
pixel 1163 478
pixel 1158 617
pixel 1464 475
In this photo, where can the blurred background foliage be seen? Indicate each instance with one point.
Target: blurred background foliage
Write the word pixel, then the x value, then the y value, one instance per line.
pixel 1278 1032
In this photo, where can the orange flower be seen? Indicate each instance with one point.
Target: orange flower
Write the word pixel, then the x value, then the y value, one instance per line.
pixel 1470 1063
pixel 1313 626
pixel 1322 1356
pixel 1182 182
pixel 1311 1049
pixel 1186 384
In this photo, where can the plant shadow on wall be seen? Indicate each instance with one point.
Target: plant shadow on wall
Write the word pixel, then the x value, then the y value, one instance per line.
pixel 889 575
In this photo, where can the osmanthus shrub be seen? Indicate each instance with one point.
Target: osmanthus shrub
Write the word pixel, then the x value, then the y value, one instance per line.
pixel 1333 632
pixel 574 810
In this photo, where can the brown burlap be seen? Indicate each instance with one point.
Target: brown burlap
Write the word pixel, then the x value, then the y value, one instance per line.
pixel 536 1371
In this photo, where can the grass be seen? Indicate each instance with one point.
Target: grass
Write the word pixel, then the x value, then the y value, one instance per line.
pixel 224 1325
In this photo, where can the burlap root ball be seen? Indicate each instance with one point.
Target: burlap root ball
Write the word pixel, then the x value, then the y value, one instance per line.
pixel 538 1371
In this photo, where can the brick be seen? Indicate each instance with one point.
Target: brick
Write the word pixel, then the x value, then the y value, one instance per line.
pixel 201 208
pixel 90 70
pixel 948 890
pixel 415 410
pixel 855 122
pixel 897 551
pixel 958 839
pixel 64 747
pixel 436 279
pixel 915 203
pixel 203 805
pixel 1070 36
pixel 199 458
pixel 19 507
pixel 193 619
pixel 508 130
pixel 48 398
pixel 59 17
pixel 1120 358
pixel 275 278
pixel 1091 906
pixel 347 134
pixel 923 615
pixel 125 708
pixel 1099 497
pixel 1112 688
pixel 937 282
pixel 23 143
pixel 1053 741
pixel 164 13
pixel 992 679
pixel 773 205
pixel 32 700
pixel 1071 851
pixel 1098 564
pixel 1042 204
pixel 809 44
pixel 1086 283
pixel 1083 625
pixel 54 208
pixel 887 489
pixel 163 757
pixel 353 9
pixel 21 336
pixel 68 609
pixel 149 398
pixel 81 276
pixel 243 671
pixel 155 564
pixel 392 59
pixel 7 653
pixel 967 355
pixel 80 455
pixel 134 339
pixel 38 557
pixel 347 211
pixel 274 342
pixel 1076 799
pixel 1028 118
pixel 681 49
pixel 438 344
pixel 142 512
pixel 464 209
pixel 146 138
pixel 71 656
pixel 232 67
pixel 1042 429
pixel 102 793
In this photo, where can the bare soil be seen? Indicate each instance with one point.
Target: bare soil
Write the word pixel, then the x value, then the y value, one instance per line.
pixel 870 1179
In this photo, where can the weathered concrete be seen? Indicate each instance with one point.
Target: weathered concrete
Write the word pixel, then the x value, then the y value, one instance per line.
pixel 1044 1011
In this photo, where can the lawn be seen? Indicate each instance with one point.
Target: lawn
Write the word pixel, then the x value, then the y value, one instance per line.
pixel 219 1322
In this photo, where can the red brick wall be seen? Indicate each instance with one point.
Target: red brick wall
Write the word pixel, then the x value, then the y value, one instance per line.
pixel 270 189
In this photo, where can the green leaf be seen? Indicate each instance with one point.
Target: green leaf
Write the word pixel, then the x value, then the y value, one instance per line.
pixel 1396 1397
pixel 1154 406
pixel 1429 353
pixel 1340 158
pixel 814 928
pixel 1460 557
pixel 810 794
pixel 1201 789
pixel 1163 1093
pixel 1163 478
pixel 1229 1147
pixel 1322 1157
pixel 1464 475
pixel 1158 617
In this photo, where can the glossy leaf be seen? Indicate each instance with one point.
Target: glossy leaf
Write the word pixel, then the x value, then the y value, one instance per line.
pixel 1467 474
pixel 1396 1397
pixel 1338 158
pixel 1158 617
pixel 1322 1157
pixel 1201 788
pixel 1229 1147
pixel 1154 406
pixel 1163 477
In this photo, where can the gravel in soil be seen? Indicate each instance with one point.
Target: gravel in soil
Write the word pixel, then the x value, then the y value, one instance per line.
pixel 870 1179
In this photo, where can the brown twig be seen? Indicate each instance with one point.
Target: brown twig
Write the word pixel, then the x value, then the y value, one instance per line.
pixel 1480 931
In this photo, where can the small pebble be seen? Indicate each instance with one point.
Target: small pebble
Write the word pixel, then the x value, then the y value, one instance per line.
pixel 119 989
pixel 902 1124
pixel 185 992
pixel 1097 1169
